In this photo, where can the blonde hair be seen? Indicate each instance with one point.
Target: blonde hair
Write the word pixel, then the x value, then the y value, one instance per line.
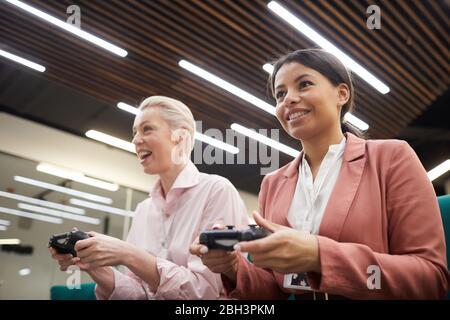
pixel 177 115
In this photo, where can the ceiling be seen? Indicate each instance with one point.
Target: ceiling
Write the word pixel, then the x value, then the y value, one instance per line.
pixel 232 39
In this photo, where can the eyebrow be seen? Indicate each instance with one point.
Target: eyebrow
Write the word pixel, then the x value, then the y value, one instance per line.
pixel 296 79
pixel 140 125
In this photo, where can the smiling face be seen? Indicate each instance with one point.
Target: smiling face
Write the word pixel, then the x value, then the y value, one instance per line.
pixel 152 139
pixel 308 104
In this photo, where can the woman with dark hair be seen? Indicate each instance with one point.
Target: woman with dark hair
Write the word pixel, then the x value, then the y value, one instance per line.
pixel 351 218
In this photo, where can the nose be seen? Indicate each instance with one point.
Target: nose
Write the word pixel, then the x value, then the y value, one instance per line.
pixel 291 97
pixel 136 139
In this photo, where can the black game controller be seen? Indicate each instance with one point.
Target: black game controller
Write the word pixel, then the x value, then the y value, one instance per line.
pixel 65 242
pixel 226 239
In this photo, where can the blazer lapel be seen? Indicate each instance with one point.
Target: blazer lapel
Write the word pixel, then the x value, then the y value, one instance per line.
pixel 345 188
pixel 285 193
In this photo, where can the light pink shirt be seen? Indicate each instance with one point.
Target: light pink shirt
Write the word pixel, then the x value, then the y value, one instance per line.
pixel 194 203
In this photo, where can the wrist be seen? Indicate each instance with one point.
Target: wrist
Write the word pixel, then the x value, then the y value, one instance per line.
pixel 128 255
pixel 315 255
pixel 231 274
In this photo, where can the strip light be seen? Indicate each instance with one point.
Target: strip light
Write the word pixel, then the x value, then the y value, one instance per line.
pixel 263 139
pixel 126 107
pixel 227 86
pixel 216 143
pixel 3 228
pixel 65 190
pixel 59 214
pixel 42 202
pixel 30 215
pixel 76 176
pixel 5 223
pixel 22 61
pixel 199 136
pixel 70 28
pixel 100 207
pixel 9 242
pixel 112 141
pixel 439 170
pixel 356 121
pixel 268 68
pixel 328 46
pixel 24 272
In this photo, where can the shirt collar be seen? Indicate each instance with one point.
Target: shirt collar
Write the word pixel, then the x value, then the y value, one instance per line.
pixel 332 149
pixel 187 178
pixel 353 148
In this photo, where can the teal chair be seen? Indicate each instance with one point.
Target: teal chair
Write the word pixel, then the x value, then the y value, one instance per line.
pixel 444 205
pixel 86 292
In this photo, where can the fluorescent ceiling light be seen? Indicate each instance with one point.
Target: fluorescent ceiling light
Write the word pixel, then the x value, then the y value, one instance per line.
pixel 5 222
pixel 70 28
pixel 112 141
pixel 263 139
pixel 356 121
pixel 59 214
pixel 199 136
pixel 24 271
pixel 42 202
pixel 76 176
pixel 72 192
pixel 126 107
pixel 268 68
pixel 22 61
pixel 227 86
pixel 328 46
pixel 216 143
pixel 439 170
pixel 3 228
pixel 30 215
pixel 9 241
pixel 100 207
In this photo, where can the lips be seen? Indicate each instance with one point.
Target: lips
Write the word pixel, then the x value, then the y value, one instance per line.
pixel 296 114
pixel 144 154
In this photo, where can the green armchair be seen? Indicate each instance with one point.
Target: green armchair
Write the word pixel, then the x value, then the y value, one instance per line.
pixel 444 205
pixel 86 292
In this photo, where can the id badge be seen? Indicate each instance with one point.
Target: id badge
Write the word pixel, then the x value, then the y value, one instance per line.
pixel 297 281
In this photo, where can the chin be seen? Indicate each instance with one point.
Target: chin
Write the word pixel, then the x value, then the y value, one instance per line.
pixel 302 133
pixel 150 170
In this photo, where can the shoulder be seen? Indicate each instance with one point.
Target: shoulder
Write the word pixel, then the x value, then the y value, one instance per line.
pixel 142 207
pixel 386 144
pixel 215 182
pixel 283 171
pixel 388 148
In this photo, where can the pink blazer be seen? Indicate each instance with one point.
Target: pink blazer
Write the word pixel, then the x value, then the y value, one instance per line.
pixel 382 212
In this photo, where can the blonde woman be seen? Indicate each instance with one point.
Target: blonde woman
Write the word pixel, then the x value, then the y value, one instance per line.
pixel 182 203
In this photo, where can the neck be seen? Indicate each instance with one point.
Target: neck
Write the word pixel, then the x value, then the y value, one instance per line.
pixel 317 147
pixel 169 176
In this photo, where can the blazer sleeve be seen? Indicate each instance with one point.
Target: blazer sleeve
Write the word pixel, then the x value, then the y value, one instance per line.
pixel 416 266
pixel 254 283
